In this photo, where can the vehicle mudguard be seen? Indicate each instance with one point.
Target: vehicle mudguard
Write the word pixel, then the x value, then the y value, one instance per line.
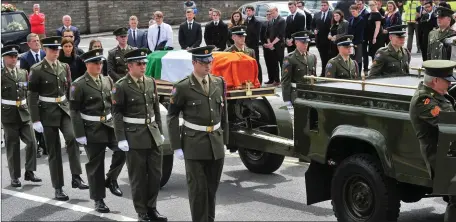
pixel 370 136
pixel 283 118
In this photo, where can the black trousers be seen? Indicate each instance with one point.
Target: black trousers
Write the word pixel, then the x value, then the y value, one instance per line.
pixel 276 61
pixel 273 70
pixel 257 58
pixel 365 55
pixel 324 56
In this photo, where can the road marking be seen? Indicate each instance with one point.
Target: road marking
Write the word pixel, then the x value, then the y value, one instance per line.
pixel 73 207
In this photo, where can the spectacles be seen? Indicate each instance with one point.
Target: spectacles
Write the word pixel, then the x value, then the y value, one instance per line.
pixel 68 36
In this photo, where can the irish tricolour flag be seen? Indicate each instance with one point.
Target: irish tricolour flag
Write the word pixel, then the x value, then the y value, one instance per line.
pixel 169 65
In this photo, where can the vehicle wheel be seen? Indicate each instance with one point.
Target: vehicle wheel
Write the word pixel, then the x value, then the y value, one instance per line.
pixel 260 162
pixel 361 192
pixel 167 168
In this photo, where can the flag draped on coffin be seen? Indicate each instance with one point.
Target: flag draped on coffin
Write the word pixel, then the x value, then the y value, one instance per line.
pixel 236 68
pixel 171 66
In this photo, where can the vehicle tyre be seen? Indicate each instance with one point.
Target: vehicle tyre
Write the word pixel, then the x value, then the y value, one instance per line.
pixel 361 192
pixel 167 168
pixel 260 162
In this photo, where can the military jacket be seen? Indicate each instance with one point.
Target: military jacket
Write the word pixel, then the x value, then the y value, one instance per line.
pixel 388 62
pixel 117 66
pixel 88 98
pixel 128 100
pixel 44 81
pixel 14 89
pixel 295 66
pixel 337 68
pixel 437 47
pixel 248 51
pixel 198 108
pixel 424 115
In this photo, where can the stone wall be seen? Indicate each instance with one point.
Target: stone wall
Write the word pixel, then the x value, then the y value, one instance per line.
pixel 102 16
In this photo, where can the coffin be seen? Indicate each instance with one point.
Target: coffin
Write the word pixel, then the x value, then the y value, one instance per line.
pixel 237 68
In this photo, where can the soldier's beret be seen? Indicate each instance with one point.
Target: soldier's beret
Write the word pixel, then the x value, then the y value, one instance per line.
pixel 94 55
pixel 137 55
pixel 10 50
pixel 202 54
pixel 345 40
pixel 440 68
pixel 443 11
pixel 52 42
pixel 303 36
pixel 122 31
pixel 399 30
pixel 238 30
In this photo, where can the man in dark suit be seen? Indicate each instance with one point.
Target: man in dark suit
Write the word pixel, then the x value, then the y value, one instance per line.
pixel 136 37
pixel 365 15
pixel 427 23
pixel 321 24
pixel 275 37
pixel 295 23
pixel 190 33
pixel 252 40
pixel 302 10
pixel 67 25
pixel 216 32
pixel 356 27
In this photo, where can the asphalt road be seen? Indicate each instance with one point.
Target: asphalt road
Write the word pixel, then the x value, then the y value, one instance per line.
pixel 242 196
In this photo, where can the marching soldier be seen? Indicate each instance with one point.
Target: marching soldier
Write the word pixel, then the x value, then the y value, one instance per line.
pixel 393 59
pixel 49 81
pixel 201 98
pixel 297 64
pixel 117 66
pixel 16 118
pixel 430 98
pixel 90 110
pixel 440 41
pixel 238 36
pixel 138 129
pixel 342 66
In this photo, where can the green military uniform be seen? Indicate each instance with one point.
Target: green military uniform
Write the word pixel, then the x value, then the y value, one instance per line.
pixel 205 131
pixel 341 68
pixel 48 87
pixel 424 114
pixel 16 120
pixel 90 110
pixel 390 61
pixel 248 51
pixel 295 66
pixel 439 47
pixel 117 66
pixel 137 121
pixel 240 31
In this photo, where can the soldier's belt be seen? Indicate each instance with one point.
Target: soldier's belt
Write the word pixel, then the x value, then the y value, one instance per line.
pixel 96 118
pixel 138 120
pixel 293 84
pixel 14 102
pixel 52 99
pixel 201 128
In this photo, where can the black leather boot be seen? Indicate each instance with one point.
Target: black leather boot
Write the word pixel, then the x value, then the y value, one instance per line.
pixel 155 216
pixel 101 207
pixel 113 187
pixel 60 195
pixel 77 182
pixel 16 182
pixel 143 217
pixel 30 176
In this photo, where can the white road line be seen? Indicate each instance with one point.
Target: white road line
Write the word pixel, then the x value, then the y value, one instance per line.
pixel 73 207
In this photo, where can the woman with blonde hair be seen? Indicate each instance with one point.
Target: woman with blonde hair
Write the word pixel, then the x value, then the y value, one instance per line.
pixel 392 18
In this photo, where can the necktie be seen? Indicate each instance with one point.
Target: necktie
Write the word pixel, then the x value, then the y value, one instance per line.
pixel 190 26
pixel 37 59
pixel 97 81
pixel 399 53
pixel 216 23
pixel 54 67
pixel 141 85
pixel 292 17
pixel 206 90
pixel 158 37
pixel 134 36
pixel 13 73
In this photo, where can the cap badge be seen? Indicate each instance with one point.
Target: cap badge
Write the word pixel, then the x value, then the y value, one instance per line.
pixel 14 49
pixel 56 41
pixel 97 54
pixel 242 30
pixel 142 53
pixel 305 35
pixel 206 51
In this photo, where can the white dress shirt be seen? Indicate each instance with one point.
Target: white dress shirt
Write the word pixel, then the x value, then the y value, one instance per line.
pixel 166 33
pixel 34 55
pixel 135 36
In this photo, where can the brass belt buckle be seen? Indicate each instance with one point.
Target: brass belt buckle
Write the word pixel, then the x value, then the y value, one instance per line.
pixel 18 103
pixel 58 100
pixel 148 120
pixel 102 118
pixel 209 129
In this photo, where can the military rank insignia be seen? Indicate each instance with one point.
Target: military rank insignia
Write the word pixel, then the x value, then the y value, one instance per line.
pixel 427 101
pixel 114 90
pixel 329 65
pixel 435 111
pixel 285 62
pixel 72 91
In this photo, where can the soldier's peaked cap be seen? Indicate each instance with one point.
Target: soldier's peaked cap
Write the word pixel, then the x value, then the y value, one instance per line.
pixel 443 12
pixel 10 50
pixel 239 30
pixel 137 55
pixel 122 31
pixel 93 56
pixel 303 36
pixel 202 54
pixel 345 40
pixel 52 42
pixel 440 68
pixel 399 30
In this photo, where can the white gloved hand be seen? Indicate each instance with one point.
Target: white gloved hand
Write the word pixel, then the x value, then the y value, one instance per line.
pixel 82 140
pixel 123 145
pixel 38 127
pixel 179 153
pixel 288 103
pixel 163 138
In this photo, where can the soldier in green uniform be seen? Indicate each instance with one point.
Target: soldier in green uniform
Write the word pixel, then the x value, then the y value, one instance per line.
pixel 297 64
pixel 238 36
pixel 117 66
pixel 393 59
pixel 430 98
pixel 342 66
pixel 49 82
pixel 440 43
pixel 138 129
pixel 201 97
pixel 16 118
pixel 90 110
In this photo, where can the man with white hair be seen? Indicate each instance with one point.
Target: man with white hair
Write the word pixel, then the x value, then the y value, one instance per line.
pixel 66 20
pixel 37 20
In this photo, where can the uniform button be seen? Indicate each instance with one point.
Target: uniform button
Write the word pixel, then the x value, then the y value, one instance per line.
pixel 212 121
pixel 193 103
pixel 209 98
pixel 212 110
pixel 144 94
pixel 59 87
pixel 147 104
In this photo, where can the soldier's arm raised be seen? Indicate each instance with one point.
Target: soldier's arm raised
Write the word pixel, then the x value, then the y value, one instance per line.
pixel 377 65
pixel 118 109
pixel 176 105
pixel 33 94
pixel 286 80
pixel 157 108
pixel 76 97
pixel 112 66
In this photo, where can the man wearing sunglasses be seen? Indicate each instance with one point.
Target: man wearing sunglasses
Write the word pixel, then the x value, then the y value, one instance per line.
pixel 117 67
pixel 138 129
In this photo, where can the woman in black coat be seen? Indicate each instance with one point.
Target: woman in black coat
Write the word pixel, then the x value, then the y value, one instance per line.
pixel 68 55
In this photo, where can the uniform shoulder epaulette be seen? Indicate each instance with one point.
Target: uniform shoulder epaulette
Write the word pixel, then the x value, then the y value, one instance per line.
pixel 182 80
pixel 79 78
pixel 121 79
pixel 36 64
pixel 113 49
